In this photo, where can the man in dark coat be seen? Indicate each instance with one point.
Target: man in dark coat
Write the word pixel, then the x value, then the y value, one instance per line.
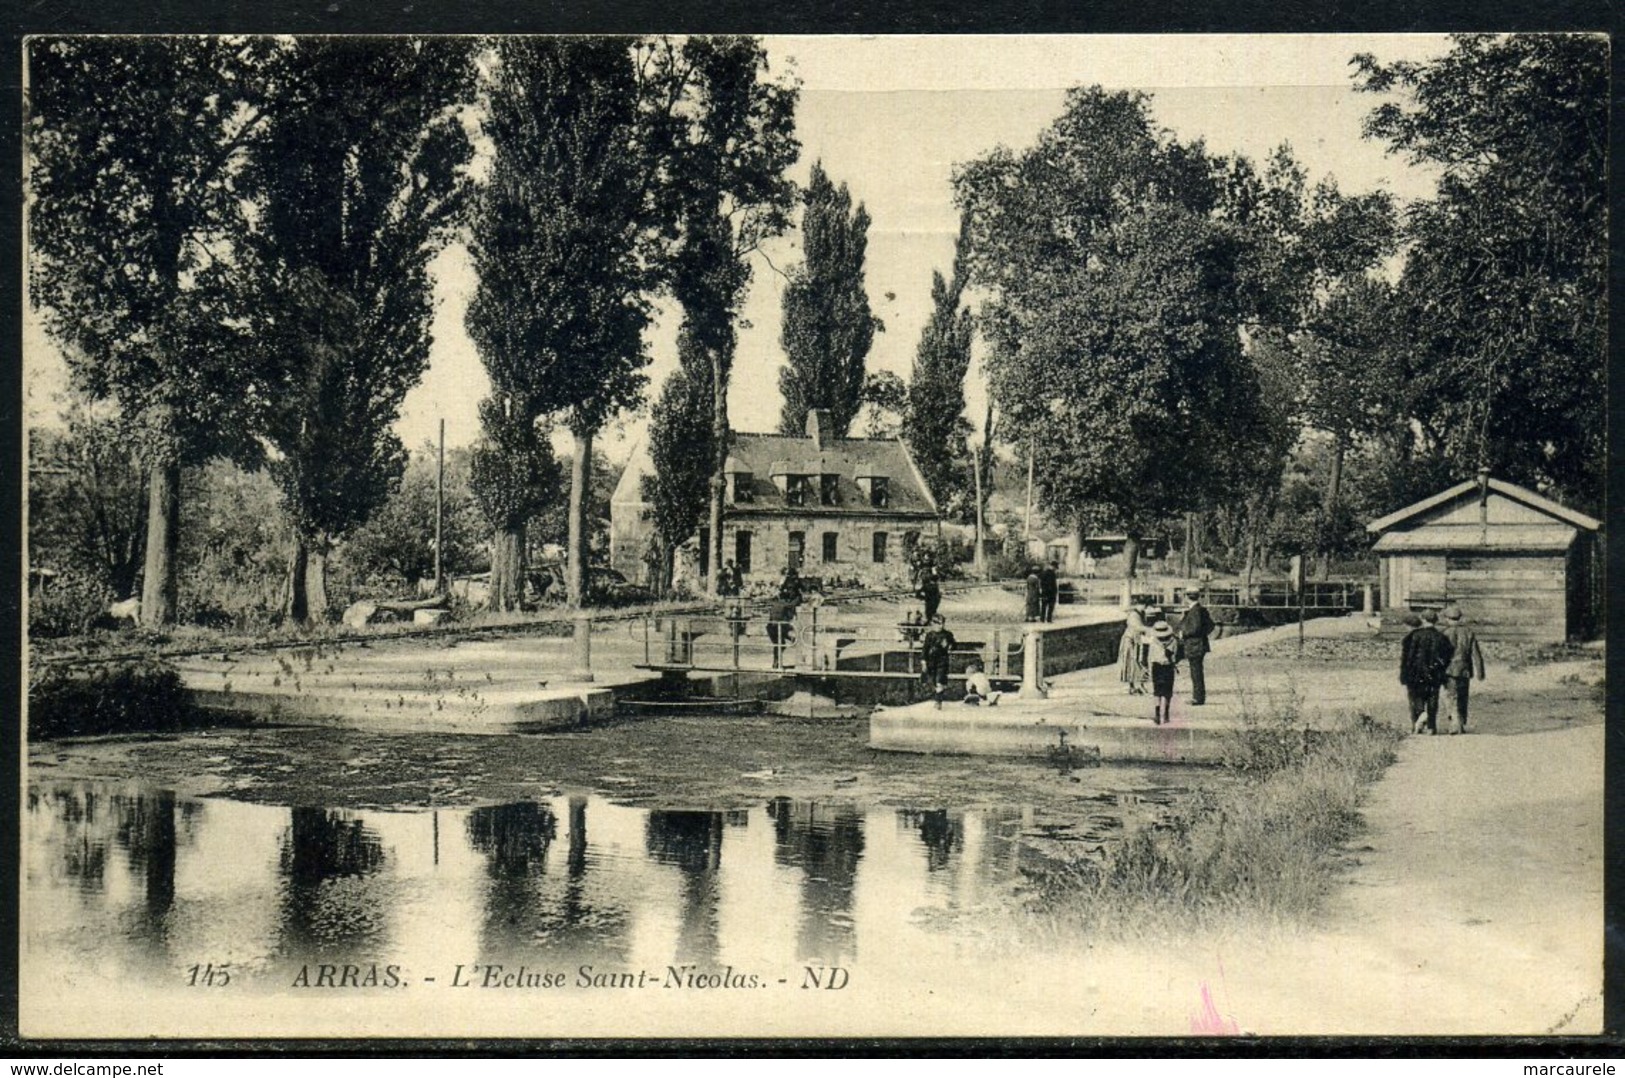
pixel 935 649
pixel 1424 656
pixel 1049 588
pixel 1035 601
pixel 1194 629
pixel 931 592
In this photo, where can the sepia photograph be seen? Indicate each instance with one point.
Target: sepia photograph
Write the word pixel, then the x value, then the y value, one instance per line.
pixel 826 536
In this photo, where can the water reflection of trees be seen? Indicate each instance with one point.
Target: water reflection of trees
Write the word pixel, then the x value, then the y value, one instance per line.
pixel 692 841
pixel 327 902
pixel 527 910
pixel 826 843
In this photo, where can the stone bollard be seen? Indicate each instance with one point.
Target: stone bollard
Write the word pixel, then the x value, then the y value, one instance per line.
pixel 1128 594
pixel 1032 666
pixel 581 670
pixel 1367 605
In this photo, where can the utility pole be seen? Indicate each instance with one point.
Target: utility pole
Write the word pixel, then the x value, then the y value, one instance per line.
pixel 440 513
pixel 981 546
pixel 1027 518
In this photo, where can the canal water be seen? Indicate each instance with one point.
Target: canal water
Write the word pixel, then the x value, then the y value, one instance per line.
pixel 144 911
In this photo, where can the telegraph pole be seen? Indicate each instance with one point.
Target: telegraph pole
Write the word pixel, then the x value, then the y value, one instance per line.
pixel 440 513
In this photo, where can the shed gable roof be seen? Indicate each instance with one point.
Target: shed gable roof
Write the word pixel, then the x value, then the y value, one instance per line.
pixel 1419 512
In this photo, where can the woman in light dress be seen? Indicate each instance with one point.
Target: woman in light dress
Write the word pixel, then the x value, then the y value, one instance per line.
pixel 1130 668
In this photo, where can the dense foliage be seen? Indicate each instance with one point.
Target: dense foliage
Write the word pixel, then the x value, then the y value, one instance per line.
pixel 828 326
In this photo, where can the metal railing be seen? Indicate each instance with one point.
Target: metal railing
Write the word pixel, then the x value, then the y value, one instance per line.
pixel 819 644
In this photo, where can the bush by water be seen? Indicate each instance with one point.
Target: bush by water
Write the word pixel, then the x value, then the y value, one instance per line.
pixel 104 698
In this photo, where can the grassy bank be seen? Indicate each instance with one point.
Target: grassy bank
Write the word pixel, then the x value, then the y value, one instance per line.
pixel 1259 850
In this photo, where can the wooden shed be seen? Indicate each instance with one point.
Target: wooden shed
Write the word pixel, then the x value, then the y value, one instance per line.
pixel 1522 567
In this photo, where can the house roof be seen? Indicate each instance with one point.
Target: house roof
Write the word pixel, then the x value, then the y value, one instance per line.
pixel 844 458
pixel 1459 537
pixel 1509 490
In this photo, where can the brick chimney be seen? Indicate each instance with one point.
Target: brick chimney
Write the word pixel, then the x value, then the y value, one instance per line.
pixel 820 428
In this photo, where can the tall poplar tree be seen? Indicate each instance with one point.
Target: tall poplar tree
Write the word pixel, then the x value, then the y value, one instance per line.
pixel 828 326
pixel 559 240
pixel 358 185
pixel 132 145
pixel 729 135
pixel 934 423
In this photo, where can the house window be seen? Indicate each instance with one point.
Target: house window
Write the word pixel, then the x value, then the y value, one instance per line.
pixel 879 492
pixel 831 539
pixel 743 489
pixel 881 539
pixel 797 490
pixel 829 490
pixel 742 551
pixel 798 549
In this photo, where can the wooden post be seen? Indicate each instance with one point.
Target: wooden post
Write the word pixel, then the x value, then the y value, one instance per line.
pixel 1027 518
pixel 582 669
pixel 1032 666
pixel 440 513
pixel 981 546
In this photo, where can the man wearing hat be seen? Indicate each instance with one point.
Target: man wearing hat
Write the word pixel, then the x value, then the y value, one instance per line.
pixel 936 647
pixel 1466 663
pixel 1163 656
pixel 1194 629
pixel 1424 655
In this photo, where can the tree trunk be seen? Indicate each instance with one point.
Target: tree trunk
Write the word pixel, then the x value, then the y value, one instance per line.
pixel 316 582
pixel 507 568
pixel 307 582
pixel 1250 564
pixel 158 584
pixel 297 606
pixel 575 576
pixel 719 441
pixel 1187 555
pixel 1334 490
pixel 1131 557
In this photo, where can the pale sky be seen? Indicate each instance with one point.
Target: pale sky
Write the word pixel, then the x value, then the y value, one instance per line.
pixel 891 117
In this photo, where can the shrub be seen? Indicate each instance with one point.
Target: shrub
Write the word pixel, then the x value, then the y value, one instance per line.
pixel 1262 849
pixel 68 605
pixel 105 697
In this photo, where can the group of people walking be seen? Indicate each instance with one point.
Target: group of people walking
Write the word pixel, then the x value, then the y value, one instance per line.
pixel 1043 589
pixel 1439 652
pixel 1152 649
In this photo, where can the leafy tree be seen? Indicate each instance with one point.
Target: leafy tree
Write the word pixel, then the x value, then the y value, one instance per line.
pixel 680 452
pixel 86 502
pixel 397 541
pixel 1113 313
pixel 513 476
pixel 1505 284
pixel 235 543
pixel 133 145
pixel 934 424
pixel 885 402
pixel 560 242
pixel 728 132
pixel 357 185
pixel 828 327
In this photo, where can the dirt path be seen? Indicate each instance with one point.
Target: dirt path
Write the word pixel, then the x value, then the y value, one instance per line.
pixel 1475 906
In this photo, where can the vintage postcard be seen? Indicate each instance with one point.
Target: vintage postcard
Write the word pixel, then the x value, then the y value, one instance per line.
pixel 845 536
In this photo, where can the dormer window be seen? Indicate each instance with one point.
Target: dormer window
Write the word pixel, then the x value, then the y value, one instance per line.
pixel 743 487
pixel 829 489
pixel 875 487
pixel 798 490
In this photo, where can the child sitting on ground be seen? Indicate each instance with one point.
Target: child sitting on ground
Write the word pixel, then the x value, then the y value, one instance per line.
pixel 977 685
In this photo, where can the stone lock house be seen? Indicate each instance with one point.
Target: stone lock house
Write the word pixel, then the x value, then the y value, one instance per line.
pixel 1521 566
pixel 840 509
